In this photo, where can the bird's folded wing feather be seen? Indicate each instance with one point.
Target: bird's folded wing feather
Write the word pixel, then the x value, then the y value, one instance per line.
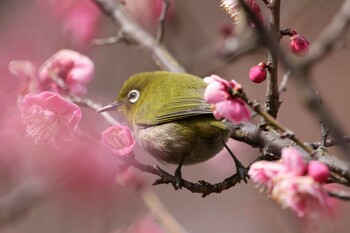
pixel 183 107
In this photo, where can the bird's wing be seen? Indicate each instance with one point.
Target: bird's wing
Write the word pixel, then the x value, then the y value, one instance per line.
pixel 182 107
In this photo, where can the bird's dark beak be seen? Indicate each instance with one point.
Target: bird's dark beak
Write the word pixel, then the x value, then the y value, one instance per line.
pixel 110 107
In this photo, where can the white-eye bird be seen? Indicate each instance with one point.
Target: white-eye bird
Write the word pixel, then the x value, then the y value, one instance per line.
pixel 171 119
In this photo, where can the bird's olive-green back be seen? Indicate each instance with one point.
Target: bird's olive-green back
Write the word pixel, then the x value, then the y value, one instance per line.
pixel 163 97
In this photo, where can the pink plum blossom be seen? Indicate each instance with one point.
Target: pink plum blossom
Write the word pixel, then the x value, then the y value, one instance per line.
pixel 75 69
pixel 302 194
pixel 299 45
pixel 224 104
pixel 118 139
pixel 294 183
pixel 257 74
pixel 318 171
pixel 79 18
pixel 49 117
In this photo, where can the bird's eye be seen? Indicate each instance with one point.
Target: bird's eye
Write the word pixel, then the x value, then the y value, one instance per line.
pixel 133 96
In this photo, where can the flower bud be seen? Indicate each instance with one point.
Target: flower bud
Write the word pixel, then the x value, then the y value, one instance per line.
pixel 299 45
pixel 258 73
pixel 118 139
pixel 318 171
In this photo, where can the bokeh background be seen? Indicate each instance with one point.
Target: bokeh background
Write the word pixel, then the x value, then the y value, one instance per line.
pixel 84 196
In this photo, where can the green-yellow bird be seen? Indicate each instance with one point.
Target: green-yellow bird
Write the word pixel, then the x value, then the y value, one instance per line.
pixel 171 120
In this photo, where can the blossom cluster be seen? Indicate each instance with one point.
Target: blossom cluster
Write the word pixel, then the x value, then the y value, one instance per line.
pixel 294 183
pixel 48 115
pixel 298 44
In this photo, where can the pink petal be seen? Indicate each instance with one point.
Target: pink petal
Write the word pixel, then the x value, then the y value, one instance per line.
pixel 263 172
pixel 216 79
pixel 293 161
pixel 215 93
pixel 234 110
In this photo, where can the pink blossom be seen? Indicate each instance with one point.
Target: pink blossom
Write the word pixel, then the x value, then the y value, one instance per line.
pixel 302 194
pixel 118 139
pixel 75 69
pixel 294 183
pixel 318 171
pixel 224 104
pixel 79 18
pixel 49 117
pixel 258 73
pixel 299 45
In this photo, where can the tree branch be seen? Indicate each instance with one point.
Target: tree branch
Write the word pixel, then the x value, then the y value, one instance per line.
pixel 272 102
pixel 299 73
pixel 159 53
pixel 330 36
pixel 161 20
pixel 271 144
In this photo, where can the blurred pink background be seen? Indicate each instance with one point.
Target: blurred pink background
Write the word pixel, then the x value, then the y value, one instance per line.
pixel 85 197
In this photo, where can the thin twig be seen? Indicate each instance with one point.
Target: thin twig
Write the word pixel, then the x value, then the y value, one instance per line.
pixel 93 106
pixel 203 187
pixel 324 128
pixel 158 210
pixel 284 82
pixel 274 123
pixel 80 100
pixel 330 36
pixel 272 102
pixel 111 40
pixel 345 196
pixel 130 28
pixel 161 20
pixel 328 143
pixel 21 200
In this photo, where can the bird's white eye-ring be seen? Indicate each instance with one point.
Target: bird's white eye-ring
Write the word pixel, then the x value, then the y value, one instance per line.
pixel 133 96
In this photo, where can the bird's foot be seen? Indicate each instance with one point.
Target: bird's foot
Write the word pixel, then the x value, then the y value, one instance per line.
pixel 242 172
